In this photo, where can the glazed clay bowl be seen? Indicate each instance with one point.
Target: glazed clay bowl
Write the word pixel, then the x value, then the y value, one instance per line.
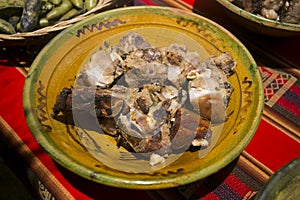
pixel 283 184
pixel 57 66
pixel 258 24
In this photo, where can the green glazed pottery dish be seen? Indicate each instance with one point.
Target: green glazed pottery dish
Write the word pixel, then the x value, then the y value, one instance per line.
pixel 283 184
pixel 96 157
pixel 259 24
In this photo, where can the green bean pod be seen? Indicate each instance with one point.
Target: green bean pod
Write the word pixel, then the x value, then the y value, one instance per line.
pixel 90 4
pixel 60 10
pixel 77 3
pixel 18 26
pixel 44 22
pixel 70 14
pixel 6 27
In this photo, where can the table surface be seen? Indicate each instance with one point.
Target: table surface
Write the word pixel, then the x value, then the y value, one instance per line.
pixel 276 142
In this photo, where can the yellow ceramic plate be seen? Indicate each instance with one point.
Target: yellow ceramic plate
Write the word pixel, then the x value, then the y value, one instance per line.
pixel 58 63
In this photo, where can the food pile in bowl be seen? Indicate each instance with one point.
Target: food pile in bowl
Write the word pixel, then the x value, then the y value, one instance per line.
pixel 287 11
pixel 266 17
pixel 153 101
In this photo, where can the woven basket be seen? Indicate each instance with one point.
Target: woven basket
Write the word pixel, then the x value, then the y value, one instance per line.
pixel 46 33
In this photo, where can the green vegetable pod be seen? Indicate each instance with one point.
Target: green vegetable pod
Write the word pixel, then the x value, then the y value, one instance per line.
pixel 44 22
pixel 77 3
pixel 60 10
pixel 70 14
pixel 90 4
pixel 6 27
